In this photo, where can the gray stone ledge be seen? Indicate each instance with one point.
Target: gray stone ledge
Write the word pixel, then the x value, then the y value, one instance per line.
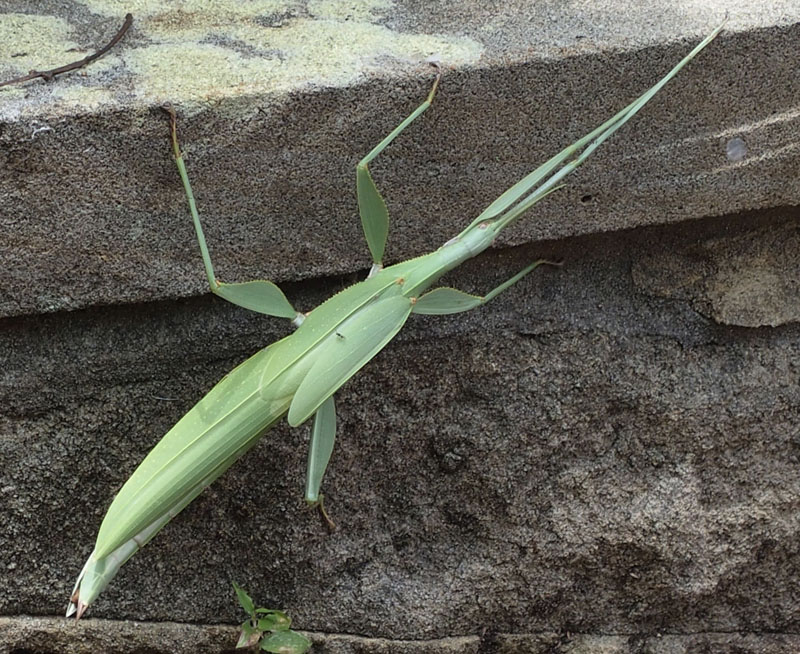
pixel 277 107
pixel 590 452
pixel 44 635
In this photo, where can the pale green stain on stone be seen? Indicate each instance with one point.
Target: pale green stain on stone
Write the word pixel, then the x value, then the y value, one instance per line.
pixel 33 43
pixel 232 49
pixel 203 9
pixel 193 52
pixel 325 52
pixel 338 10
pixel 82 99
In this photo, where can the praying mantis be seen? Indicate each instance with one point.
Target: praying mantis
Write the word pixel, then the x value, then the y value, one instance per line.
pixel 298 375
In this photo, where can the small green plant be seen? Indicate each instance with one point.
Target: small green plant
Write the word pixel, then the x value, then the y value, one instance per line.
pixel 269 629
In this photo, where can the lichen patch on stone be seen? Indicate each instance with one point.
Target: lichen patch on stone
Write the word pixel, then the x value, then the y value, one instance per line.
pixel 202 9
pixel 34 42
pixel 251 48
pixel 339 10
pixel 209 71
pixel 83 99
pixel 192 52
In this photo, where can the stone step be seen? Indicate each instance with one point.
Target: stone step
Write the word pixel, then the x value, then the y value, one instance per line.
pixel 277 105
pixel 127 637
pixel 603 449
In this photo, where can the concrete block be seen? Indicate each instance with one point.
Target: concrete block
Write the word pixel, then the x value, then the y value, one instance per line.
pixel 585 456
pixel 278 102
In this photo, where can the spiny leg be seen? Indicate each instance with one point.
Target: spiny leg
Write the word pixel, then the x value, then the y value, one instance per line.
pixel 444 300
pixel 371 206
pixel 258 295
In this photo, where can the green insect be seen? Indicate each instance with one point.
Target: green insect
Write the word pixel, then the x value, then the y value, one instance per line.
pixel 298 375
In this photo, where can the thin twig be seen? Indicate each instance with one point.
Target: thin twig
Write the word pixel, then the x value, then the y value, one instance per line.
pixel 48 75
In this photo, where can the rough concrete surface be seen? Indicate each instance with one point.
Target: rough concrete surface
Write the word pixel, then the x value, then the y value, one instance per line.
pixel 602 460
pixel 278 102
pixel 749 281
pixel 44 635
pixel 583 456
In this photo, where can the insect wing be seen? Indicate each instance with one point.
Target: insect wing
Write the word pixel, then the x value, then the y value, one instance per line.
pixel 362 336
pixel 320 324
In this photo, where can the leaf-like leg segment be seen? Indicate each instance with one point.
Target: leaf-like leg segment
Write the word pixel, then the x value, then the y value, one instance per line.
pixel 371 206
pixel 323 436
pixel 258 295
pixel 444 300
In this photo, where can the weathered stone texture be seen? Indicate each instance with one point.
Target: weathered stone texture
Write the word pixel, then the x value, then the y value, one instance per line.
pixel 46 635
pixel 750 280
pixel 92 212
pixel 578 457
pixel 604 459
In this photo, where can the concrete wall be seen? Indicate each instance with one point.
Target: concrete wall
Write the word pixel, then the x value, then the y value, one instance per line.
pixel 605 459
